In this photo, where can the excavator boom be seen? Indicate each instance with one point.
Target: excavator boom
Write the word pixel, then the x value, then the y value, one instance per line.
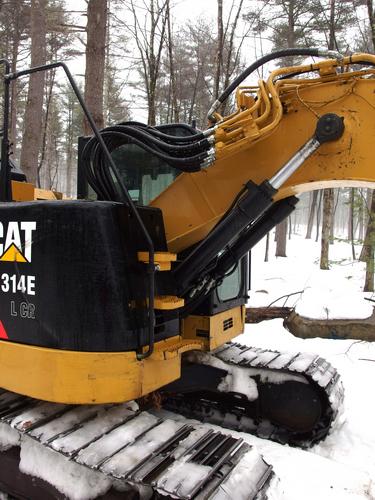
pixel 271 123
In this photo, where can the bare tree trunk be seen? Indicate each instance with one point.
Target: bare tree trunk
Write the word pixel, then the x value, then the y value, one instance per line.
pixel 232 56
pixel 150 43
pixel 175 110
pixel 13 89
pixel 361 215
pixel 107 76
pixel 291 27
pixel 310 223
pixel 95 61
pixel 367 253
pixel 326 227
pixel 280 238
pixel 328 194
pixel 318 212
pixel 69 152
pixel 266 253
pixel 281 234
pixel 34 107
pixel 332 44
pixel 351 215
pixel 50 85
pixel 220 46
pixel 371 18
pixel 194 95
pixel 334 208
pixel 351 223
pixel 369 277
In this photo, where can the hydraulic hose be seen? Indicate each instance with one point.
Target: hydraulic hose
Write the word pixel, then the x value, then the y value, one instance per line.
pixel 184 163
pixel 143 135
pixel 170 138
pixel 296 51
pixel 187 157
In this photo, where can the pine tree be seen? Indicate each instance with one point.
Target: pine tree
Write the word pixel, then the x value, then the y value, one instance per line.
pixel 95 61
pixel 34 108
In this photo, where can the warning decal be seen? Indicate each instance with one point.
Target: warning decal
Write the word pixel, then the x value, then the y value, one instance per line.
pixel 3 333
pixel 13 254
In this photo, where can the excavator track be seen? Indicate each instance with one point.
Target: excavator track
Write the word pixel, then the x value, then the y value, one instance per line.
pixel 309 381
pixel 181 458
pixel 176 459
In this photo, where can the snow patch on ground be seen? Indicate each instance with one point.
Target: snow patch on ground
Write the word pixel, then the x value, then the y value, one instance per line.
pixel 333 294
pixel 330 303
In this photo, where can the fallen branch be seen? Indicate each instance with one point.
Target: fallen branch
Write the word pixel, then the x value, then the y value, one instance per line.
pixel 258 314
pixel 286 297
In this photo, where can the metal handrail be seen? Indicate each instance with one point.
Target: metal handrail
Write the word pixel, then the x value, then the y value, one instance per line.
pixel 8 77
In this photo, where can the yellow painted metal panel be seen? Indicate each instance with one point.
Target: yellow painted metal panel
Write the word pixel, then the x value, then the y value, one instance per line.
pixel 214 330
pixel 22 191
pixel 168 302
pixel 46 194
pixel 85 377
pixel 162 260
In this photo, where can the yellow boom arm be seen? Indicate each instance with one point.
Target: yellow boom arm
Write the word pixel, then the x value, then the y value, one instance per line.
pixel 271 123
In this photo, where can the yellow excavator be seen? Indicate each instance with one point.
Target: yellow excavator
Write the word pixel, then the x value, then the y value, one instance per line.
pixel 118 308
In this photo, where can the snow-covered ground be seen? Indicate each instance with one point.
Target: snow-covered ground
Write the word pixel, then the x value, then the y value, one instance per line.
pixel 336 293
pixel 343 466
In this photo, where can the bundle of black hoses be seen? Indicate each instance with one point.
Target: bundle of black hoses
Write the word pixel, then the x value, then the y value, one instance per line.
pixel 185 153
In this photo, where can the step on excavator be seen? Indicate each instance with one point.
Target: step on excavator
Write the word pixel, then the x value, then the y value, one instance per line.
pixel 118 309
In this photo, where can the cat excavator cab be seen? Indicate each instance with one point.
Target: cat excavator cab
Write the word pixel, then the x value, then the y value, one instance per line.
pixel 128 297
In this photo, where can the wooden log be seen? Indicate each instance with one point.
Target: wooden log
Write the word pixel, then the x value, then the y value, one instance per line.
pixel 359 329
pixel 258 314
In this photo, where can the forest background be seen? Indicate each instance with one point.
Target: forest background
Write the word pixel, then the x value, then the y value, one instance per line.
pixel 161 61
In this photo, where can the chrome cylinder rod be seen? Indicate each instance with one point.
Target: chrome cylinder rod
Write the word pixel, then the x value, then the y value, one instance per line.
pixel 294 163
